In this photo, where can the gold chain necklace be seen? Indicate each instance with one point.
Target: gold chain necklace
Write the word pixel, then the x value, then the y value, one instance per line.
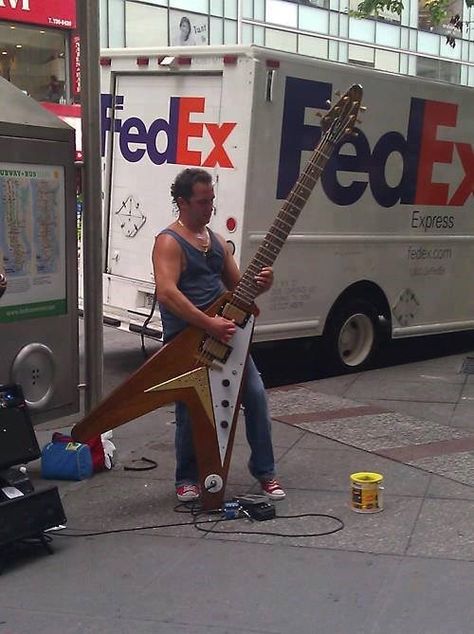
pixel 205 239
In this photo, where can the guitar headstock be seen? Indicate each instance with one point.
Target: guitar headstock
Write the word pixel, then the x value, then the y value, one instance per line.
pixel 342 117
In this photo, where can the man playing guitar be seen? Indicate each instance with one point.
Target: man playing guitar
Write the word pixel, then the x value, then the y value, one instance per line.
pixel 193 267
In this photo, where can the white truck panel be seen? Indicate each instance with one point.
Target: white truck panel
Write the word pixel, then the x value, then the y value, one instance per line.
pixel 392 216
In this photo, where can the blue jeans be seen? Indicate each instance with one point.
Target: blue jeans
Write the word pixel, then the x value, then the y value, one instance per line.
pixel 257 427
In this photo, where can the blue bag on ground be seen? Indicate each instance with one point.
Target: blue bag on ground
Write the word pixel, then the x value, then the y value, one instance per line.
pixel 66 461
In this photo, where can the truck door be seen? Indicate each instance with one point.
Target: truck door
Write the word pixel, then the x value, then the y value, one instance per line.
pixel 159 125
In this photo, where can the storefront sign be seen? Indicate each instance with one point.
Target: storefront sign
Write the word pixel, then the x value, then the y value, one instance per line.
pixel 70 114
pixel 53 13
pixel 76 65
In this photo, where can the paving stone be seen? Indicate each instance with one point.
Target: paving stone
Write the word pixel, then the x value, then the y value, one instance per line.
pixel 457 466
pixel 444 529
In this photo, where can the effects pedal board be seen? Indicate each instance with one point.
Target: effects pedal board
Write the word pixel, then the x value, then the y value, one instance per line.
pixel 257 506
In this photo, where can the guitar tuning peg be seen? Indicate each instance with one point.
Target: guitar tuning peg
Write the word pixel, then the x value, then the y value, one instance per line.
pixel 348 130
pixel 328 103
pixel 363 108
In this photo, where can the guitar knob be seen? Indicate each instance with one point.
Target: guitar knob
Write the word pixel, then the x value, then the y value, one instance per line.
pixel 224 424
pixel 225 403
pixel 226 382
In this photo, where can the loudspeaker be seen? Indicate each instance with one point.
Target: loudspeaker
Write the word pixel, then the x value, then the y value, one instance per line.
pixel 18 439
pixel 29 515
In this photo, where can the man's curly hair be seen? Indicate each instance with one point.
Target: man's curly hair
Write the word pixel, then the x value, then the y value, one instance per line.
pixel 185 180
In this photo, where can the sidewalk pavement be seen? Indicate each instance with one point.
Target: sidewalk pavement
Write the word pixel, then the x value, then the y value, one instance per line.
pixel 405 570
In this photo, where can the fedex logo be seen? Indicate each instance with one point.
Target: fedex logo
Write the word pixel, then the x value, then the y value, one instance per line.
pixel 137 139
pixel 421 149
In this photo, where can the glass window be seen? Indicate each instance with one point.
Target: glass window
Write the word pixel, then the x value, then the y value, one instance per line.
pixel 426 67
pixel 217 7
pixel 386 60
pixel 247 9
pixel 259 35
pixel 424 22
pixel 333 50
pixel 470 80
pixel 200 6
pixel 428 43
pixel 343 25
pixel 33 59
pixel 247 34
pixel 259 9
pixel 315 3
pixel 188 29
pixel 404 64
pixel 116 23
pixel 104 35
pixel 314 46
pixel 280 40
pixel 362 30
pixel 230 9
pixel 280 12
pixel 387 34
pixel 230 32
pixel 313 20
pixel 145 25
pixel 385 15
pixel 361 55
pixel 438 69
pixel 216 34
pixel 343 52
pixel 449 71
pixel 333 23
pixel 404 39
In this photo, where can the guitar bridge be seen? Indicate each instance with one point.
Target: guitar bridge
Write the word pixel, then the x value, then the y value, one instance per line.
pixel 237 315
pixel 214 350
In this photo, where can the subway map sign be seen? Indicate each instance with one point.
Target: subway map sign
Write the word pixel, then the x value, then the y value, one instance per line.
pixel 32 241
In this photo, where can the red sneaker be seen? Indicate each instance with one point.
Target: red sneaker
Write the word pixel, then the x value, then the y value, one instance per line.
pixel 273 489
pixel 187 492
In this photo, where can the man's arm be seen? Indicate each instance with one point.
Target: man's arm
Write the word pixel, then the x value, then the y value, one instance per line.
pixel 167 266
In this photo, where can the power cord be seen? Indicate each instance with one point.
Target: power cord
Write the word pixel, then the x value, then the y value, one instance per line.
pixel 196 511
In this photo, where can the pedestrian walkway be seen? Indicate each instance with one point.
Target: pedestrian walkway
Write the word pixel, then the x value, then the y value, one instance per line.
pixel 405 570
pixel 437 447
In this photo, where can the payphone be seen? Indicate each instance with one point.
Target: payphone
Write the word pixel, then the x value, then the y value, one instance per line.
pixel 38 256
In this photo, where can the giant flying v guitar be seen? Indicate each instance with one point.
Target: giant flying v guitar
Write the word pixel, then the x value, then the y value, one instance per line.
pixel 203 372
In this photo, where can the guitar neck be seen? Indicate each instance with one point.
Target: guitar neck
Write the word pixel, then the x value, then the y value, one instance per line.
pixel 247 290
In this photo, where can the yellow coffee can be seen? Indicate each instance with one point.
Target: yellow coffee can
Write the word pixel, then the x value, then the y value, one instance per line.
pixel 366 492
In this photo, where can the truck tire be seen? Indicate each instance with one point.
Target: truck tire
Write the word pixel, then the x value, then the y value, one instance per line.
pixel 352 336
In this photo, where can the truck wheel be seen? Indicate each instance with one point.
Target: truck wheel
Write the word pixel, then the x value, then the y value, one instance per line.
pixel 352 336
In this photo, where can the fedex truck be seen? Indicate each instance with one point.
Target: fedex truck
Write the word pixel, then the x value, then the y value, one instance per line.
pixel 385 244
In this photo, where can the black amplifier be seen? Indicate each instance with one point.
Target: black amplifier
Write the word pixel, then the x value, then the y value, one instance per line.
pixel 29 515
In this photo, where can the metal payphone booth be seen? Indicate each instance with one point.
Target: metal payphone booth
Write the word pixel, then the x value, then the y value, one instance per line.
pixel 38 256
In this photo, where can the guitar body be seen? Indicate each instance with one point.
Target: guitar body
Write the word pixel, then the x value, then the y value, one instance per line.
pixel 202 373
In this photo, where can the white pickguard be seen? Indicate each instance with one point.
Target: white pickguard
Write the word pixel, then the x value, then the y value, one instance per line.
pixel 232 372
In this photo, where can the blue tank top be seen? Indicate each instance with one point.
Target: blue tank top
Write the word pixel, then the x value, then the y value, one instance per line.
pixel 201 280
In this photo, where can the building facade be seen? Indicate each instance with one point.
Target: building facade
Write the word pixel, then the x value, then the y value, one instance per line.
pixel 404 44
pixel 39 53
pixel 36 44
